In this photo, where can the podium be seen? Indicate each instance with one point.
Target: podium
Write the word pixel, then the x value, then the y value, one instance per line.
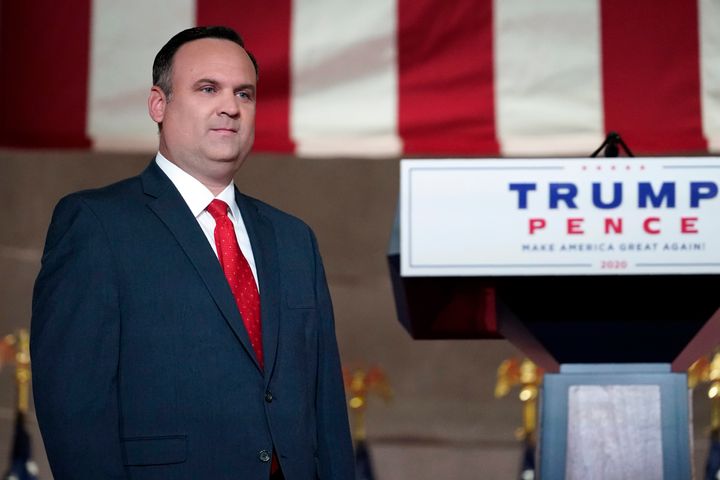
pixel 615 317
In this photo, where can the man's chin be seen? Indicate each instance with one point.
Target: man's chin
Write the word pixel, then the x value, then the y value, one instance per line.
pixel 227 155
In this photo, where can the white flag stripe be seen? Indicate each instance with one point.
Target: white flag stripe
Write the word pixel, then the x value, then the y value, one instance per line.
pixel 344 76
pixel 709 12
pixel 560 144
pixel 376 146
pixel 548 76
pixel 125 38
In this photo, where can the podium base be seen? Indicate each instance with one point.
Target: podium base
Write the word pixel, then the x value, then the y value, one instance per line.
pixel 615 422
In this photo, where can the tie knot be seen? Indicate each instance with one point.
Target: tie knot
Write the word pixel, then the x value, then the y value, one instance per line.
pixel 217 209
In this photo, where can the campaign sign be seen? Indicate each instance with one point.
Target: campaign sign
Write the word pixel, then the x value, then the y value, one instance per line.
pixel 570 216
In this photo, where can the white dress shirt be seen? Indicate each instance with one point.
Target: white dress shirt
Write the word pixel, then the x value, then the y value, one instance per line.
pixel 198 197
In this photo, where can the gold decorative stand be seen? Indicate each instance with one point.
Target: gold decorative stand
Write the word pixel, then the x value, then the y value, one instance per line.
pixel 359 384
pixel 15 349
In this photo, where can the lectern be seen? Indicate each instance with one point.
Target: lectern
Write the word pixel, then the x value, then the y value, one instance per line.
pixel 604 272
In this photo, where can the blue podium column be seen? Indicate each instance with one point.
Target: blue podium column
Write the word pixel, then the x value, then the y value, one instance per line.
pixel 615 421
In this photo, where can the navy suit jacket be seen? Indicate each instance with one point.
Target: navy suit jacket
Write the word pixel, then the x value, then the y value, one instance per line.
pixel 142 367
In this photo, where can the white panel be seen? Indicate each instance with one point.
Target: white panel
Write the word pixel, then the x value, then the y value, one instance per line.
pixel 505 217
pixel 344 77
pixel 614 431
pixel 710 70
pixel 548 76
pixel 126 36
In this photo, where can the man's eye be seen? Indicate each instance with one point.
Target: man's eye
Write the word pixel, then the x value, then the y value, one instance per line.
pixel 242 94
pixel 207 89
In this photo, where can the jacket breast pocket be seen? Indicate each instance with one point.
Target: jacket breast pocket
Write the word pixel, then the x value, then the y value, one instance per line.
pixel 163 450
pixel 300 295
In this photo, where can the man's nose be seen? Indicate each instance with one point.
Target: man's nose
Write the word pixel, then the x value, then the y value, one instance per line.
pixel 229 104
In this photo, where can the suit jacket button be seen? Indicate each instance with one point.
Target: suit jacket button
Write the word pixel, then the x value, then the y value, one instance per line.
pixel 268 396
pixel 264 456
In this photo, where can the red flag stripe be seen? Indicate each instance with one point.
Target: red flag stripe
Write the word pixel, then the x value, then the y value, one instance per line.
pixel 43 73
pixel 446 97
pixel 266 32
pixel 651 74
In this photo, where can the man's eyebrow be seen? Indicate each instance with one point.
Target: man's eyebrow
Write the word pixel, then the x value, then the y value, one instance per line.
pixel 245 86
pixel 203 81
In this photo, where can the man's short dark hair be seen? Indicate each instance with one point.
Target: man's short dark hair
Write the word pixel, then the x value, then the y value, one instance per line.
pixel 162 66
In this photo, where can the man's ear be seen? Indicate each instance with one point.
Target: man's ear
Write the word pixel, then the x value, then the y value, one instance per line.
pixel 156 104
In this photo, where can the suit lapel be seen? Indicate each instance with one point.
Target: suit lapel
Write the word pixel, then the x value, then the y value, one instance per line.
pixel 172 210
pixel 264 246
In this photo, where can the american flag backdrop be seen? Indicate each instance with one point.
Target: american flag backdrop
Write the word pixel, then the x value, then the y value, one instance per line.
pixel 381 78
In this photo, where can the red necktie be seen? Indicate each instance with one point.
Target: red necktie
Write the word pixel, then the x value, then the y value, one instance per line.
pixel 238 273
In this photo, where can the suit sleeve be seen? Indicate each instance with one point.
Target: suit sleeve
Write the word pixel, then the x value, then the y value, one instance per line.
pixel 335 450
pixel 75 347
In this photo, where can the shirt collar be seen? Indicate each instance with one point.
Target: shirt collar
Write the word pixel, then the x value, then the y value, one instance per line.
pixel 196 195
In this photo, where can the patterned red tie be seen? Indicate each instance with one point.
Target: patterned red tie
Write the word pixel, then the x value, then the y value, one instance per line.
pixel 238 273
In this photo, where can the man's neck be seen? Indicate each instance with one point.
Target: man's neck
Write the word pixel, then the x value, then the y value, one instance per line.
pixel 215 185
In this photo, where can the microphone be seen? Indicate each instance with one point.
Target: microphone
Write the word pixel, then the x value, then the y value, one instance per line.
pixel 611 149
pixel 611 146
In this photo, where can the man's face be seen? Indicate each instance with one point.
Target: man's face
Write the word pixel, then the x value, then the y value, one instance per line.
pixel 208 123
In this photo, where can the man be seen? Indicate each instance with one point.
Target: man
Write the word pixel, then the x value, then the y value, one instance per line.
pixel 154 355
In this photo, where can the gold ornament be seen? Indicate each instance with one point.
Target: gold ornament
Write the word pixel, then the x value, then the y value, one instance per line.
pixel 359 384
